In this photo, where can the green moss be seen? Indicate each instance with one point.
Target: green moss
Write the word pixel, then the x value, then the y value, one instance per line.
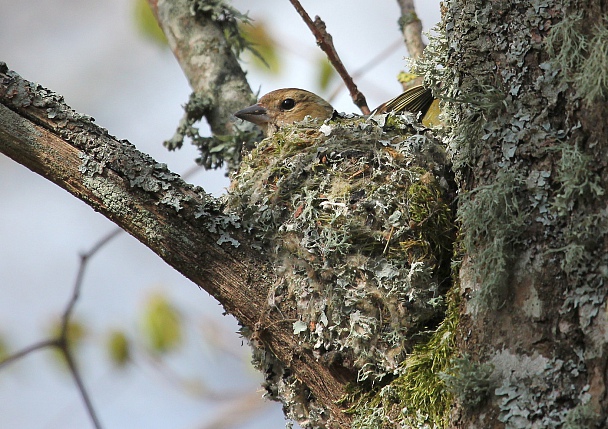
pixel 419 398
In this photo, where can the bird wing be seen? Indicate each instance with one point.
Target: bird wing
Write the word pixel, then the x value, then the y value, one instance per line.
pixel 415 99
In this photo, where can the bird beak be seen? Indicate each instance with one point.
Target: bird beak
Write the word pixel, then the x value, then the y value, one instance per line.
pixel 256 114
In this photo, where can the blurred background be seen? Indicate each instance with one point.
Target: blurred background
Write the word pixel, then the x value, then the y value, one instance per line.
pixel 103 58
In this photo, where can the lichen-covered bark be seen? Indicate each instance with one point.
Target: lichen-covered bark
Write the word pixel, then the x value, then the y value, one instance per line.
pixel 411 27
pixel 527 104
pixel 205 40
pixel 207 59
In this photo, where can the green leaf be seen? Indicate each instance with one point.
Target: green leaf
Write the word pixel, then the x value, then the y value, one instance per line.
pixel 262 46
pixel 326 73
pixel 118 348
pixel 4 349
pixel 161 325
pixel 147 24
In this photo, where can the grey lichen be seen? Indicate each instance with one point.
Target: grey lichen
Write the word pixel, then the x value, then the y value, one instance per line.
pixel 583 416
pixel 579 187
pixel 527 384
pixel 566 43
pixel 492 218
pixel 358 221
pixel 581 55
pixel 221 94
pixel 280 383
pixel 215 151
pixel 529 174
pixel 227 17
pixel 592 81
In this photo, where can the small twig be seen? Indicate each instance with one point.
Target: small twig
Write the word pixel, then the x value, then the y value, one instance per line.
pixel 84 258
pixel 26 351
pixel 61 341
pixel 388 240
pixel 411 27
pixel 78 380
pixel 357 173
pixel 324 40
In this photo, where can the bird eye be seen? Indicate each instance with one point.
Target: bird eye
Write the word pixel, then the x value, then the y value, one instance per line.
pixel 287 104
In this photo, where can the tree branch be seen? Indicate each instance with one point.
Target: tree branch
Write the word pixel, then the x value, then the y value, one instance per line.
pixel 205 40
pixel 325 42
pixel 212 69
pixel 181 223
pixel 411 27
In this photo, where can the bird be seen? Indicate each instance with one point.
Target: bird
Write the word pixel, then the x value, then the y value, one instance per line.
pixel 288 105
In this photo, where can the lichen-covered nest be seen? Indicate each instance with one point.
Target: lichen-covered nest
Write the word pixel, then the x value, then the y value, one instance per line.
pixel 356 215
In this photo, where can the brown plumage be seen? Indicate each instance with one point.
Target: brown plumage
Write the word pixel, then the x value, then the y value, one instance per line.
pixel 286 106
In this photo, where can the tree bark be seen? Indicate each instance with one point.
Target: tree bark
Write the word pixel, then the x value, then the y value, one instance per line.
pixel 411 27
pixel 531 153
pixel 529 143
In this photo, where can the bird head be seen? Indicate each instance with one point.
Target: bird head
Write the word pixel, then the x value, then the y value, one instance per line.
pixel 284 107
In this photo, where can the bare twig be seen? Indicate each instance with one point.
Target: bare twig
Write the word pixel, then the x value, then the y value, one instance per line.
pixel 324 40
pixel 80 385
pixel 62 341
pixel 411 27
pixel 26 351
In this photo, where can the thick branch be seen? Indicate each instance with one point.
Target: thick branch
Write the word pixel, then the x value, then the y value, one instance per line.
pixel 181 223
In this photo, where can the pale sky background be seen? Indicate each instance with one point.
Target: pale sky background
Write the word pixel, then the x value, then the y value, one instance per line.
pixel 91 53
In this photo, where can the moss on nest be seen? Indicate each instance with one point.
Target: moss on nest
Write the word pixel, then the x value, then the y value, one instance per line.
pixel 357 217
pixel 419 397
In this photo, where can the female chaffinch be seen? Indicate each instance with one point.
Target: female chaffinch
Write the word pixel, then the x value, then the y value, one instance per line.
pixel 286 106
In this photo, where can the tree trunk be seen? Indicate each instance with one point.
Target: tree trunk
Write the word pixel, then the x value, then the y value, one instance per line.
pixel 530 146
